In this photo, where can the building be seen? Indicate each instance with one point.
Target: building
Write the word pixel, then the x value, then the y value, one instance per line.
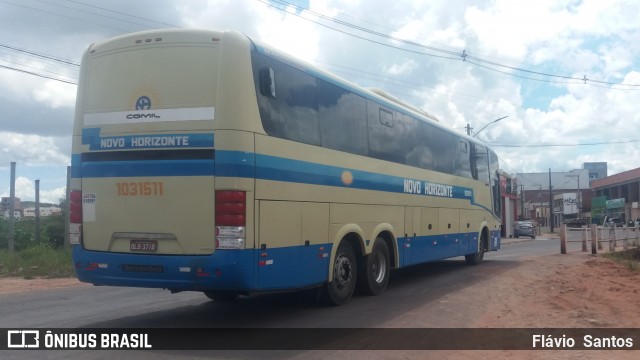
pixel 509 198
pixel 597 170
pixel 538 190
pixel 44 211
pixel 5 205
pixel 17 214
pixel 617 196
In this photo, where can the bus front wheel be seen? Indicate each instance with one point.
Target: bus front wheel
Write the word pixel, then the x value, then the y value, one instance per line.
pixel 373 274
pixel 475 259
pixel 345 273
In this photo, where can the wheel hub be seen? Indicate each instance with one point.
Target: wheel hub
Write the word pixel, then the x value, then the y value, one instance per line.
pixel 342 272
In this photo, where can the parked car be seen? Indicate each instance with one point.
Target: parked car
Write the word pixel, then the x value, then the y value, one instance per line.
pixel 524 228
pixel 615 222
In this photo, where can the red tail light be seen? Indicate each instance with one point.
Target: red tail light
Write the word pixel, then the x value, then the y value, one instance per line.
pixel 231 208
pixel 231 219
pixel 75 217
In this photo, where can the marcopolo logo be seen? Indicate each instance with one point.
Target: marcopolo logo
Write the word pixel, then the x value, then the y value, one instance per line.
pixel 143 103
pixel 23 339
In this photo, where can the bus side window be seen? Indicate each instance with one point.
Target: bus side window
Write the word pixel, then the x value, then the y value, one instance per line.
pixel 386 117
pixel 267 82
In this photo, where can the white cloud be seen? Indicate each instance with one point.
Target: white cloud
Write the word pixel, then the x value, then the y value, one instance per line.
pixel 30 149
pixel 56 94
pixel 25 190
pixel 402 69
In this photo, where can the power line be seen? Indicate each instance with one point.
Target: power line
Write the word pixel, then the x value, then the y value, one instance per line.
pixel 64 16
pixel 268 3
pixel 40 55
pixel 36 68
pixel 451 55
pixel 563 145
pixel 122 13
pixel 39 75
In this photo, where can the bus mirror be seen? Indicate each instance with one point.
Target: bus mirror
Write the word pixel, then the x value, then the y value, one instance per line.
pixel 267 82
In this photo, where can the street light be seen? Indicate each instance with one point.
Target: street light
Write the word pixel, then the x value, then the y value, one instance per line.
pixel 484 127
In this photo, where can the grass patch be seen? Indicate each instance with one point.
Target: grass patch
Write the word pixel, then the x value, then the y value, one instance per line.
pixel 630 258
pixel 36 261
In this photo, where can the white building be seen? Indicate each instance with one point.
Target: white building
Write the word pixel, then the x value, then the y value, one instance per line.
pixel 44 211
pixel 17 214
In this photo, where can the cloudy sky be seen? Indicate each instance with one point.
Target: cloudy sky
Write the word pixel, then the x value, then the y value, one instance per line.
pixel 565 73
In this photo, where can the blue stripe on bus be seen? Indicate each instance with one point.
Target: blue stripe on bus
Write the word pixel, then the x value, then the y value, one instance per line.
pixel 76 166
pixel 102 169
pixel 235 164
pixel 266 167
pixel 91 137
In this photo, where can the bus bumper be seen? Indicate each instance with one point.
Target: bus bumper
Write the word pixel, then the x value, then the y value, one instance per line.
pixel 222 270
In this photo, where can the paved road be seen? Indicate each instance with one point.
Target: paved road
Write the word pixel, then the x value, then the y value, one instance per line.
pixel 113 307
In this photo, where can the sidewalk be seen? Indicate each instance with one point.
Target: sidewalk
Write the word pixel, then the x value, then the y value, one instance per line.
pixel 545 234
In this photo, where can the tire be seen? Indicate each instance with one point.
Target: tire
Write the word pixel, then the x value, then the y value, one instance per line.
pixel 475 259
pixel 345 272
pixel 373 271
pixel 221 296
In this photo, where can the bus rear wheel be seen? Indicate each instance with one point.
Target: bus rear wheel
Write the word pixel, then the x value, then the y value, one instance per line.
pixel 345 273
pixel 373 274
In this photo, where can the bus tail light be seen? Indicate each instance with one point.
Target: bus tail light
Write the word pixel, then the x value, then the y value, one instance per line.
pixel 75 217
pixel 231 219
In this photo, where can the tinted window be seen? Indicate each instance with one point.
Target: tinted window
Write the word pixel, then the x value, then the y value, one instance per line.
pixel 463 167
pixel 445 147
pixel 293 112
pixel 342 119
pixel 480 160
pixel 297 106
pixel 384 134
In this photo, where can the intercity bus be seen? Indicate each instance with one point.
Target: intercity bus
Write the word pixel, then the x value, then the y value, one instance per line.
pixel 206 161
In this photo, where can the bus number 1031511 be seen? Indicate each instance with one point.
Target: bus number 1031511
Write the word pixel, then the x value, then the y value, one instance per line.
pixel 140 188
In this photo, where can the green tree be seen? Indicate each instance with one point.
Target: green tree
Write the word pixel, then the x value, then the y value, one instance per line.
pixel 55 232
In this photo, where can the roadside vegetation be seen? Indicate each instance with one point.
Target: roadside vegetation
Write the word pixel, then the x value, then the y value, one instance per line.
pixel 630 258
pixel 47 258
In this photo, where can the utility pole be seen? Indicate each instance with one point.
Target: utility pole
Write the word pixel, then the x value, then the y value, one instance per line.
pixel 468 128
pixel 522 202
pixel 12 200
pixel 37 222
pixel 66 208
pixel 550 203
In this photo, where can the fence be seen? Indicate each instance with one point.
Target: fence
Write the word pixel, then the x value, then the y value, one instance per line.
pixel 599 235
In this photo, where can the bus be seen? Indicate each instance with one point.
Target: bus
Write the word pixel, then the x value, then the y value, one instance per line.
pixel 205 161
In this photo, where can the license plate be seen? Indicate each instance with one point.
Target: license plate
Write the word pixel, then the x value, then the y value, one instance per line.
pixel 143 245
